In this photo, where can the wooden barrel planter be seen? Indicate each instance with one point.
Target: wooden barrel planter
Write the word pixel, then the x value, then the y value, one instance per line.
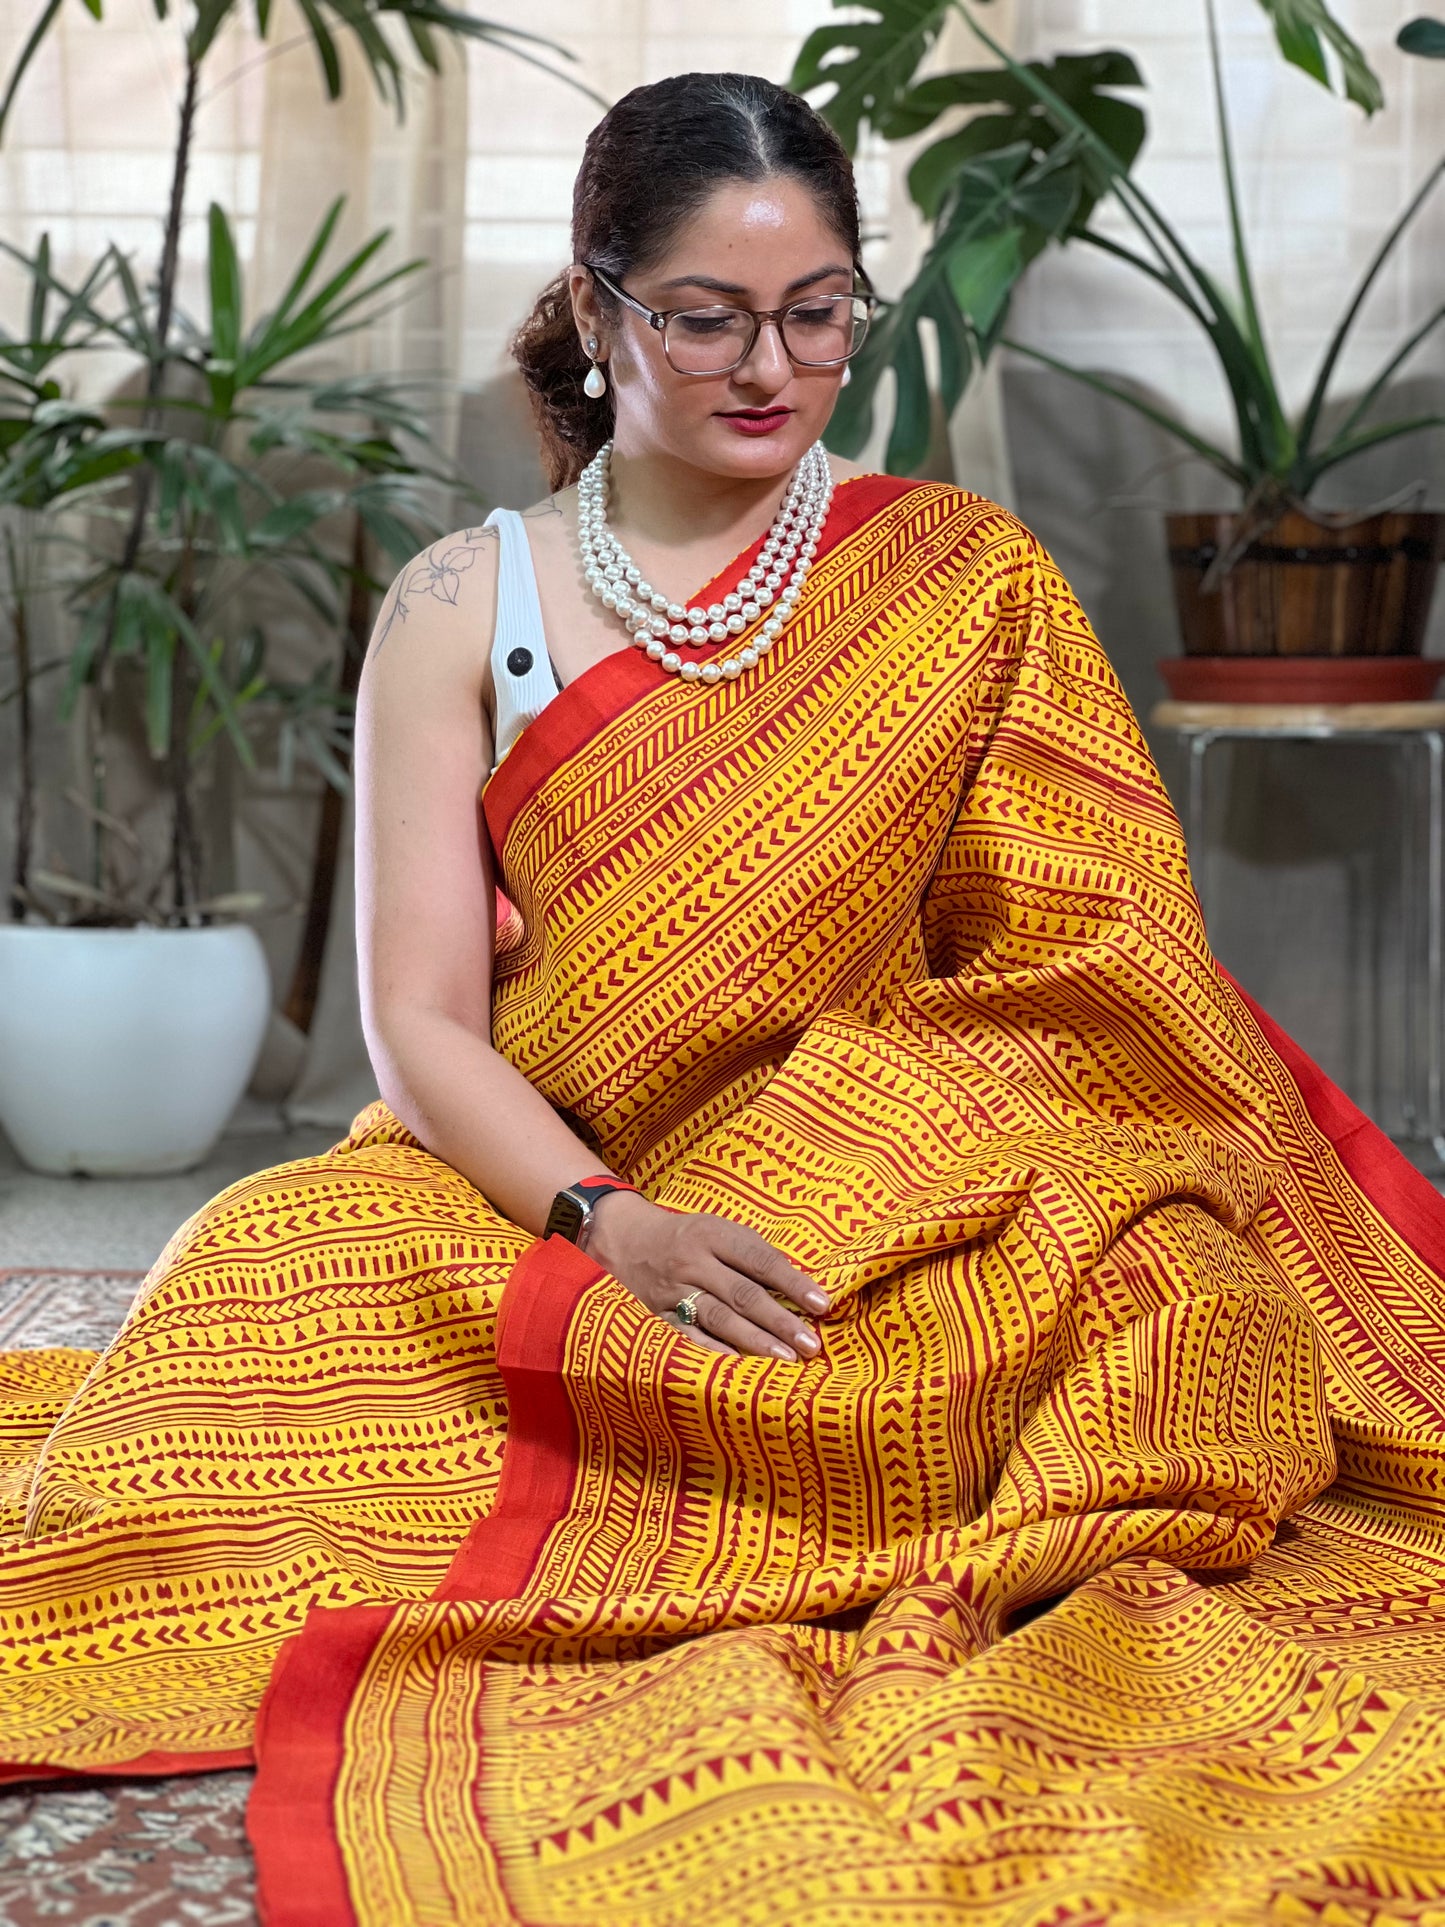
pixel 1312 613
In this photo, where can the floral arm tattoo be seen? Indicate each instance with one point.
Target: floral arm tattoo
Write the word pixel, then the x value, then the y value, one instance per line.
pixel 438 574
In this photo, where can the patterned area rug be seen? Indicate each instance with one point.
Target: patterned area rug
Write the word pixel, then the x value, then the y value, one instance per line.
pixel 124 1853
pixel 80 1308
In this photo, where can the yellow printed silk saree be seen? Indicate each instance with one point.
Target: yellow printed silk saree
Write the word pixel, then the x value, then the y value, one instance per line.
pixel 1094 1572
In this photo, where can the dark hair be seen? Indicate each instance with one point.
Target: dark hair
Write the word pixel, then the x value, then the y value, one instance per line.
pixel 648 166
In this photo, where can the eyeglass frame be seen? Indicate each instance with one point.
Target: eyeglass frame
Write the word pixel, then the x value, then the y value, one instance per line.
pixel 658 318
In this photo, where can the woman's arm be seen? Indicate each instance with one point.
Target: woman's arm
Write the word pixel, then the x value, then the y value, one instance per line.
pixel 425 890
pixel 425 899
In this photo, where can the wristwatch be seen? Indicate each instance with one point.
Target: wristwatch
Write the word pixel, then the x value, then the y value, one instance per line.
pixel 572 1209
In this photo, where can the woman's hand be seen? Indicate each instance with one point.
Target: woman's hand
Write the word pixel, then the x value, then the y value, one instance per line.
pixel 662 1256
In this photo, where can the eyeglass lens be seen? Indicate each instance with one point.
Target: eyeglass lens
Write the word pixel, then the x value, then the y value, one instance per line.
pixel 708 341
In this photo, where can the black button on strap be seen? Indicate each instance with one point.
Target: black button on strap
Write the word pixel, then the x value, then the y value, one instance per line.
pixel 519 661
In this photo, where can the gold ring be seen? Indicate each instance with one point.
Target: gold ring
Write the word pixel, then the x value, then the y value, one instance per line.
pixel 685 1312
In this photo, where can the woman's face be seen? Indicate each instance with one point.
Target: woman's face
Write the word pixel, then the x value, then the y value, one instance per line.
pixel 753 244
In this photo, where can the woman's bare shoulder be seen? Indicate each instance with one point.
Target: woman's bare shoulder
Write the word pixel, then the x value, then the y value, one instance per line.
pixel 456 574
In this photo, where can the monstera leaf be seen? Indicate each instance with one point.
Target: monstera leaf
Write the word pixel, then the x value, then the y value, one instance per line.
pixel 1084 81
pixel 1030 149
pixel 1001 209
pixel 869 61
pixel 1304 29
pixel 997 190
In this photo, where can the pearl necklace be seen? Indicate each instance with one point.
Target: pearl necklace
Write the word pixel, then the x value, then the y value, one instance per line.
pixel 653 621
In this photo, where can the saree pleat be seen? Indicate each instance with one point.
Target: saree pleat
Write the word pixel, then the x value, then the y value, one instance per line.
pixel 1096 1569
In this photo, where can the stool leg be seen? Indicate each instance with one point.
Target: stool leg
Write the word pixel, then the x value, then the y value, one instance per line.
pixel 1435 953
pixel 1199 748
pixel 1411 1078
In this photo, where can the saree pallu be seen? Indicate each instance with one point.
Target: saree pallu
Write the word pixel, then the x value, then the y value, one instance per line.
pixel 1095 1571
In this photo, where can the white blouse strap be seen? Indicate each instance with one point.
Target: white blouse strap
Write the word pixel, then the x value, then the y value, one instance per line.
pixel 522 675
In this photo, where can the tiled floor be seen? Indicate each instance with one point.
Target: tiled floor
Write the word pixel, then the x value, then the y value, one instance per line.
pixel 121 1223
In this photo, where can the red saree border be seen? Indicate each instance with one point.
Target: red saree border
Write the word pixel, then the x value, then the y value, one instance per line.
pixel 540 1457
pixel 145 1766
pixel 591 701
pixel 301 1878
pixel 301 1726
pixel 1402 1195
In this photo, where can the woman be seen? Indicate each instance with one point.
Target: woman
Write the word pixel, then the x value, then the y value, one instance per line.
pixel 860 985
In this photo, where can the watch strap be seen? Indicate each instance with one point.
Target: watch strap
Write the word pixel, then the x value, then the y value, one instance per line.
pixel 572 1208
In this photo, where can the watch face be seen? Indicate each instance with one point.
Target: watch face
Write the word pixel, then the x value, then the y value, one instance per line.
pixel 564 1220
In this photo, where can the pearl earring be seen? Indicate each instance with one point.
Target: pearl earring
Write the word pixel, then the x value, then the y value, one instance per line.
pixel 847 376
pixel 595 386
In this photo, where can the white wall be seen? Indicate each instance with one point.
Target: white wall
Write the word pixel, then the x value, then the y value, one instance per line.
pixel 1320 185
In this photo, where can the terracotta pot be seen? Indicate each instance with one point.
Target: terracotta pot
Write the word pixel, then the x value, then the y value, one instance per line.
pixel 1308 589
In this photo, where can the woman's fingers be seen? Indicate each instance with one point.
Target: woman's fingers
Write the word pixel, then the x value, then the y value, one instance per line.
pixel 748 1252
pixel 700 1337
pixel 746 1293
pixel 737 1309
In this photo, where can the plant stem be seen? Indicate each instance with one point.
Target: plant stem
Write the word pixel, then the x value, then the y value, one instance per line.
pixel 25 713
pixel 306 978
pixel 185 841
pixel 1231 185
pixel 1337 342
pixel 1211 452
pixel 178 771
pixel 165 308
pixel 150 417
pixel 171 249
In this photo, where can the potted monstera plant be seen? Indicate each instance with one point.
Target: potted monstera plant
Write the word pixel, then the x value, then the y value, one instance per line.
pixel 133 995
pixel 1277 598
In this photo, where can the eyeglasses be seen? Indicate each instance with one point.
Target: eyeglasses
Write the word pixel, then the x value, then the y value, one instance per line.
pixel 818 331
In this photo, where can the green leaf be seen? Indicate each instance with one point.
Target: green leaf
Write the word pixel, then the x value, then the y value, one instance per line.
pixel 982 275
pixel 325 45
pixel 396 538
pixel 304 319
pixel 1265 438
pixel 211 16
pixel 851 422
pixel 867 61
pixel 1342 450
pixel 1304 29
pixel 912 407
pixel 170 464
pixel 1335 347
pixel 956 355
pixel 1081 81
pixel 160 660
pixel 29 51
pixel 282 524
pixel 1001 210
pixel 215 493
pixel 226 304
pixel 1423 36
pixel 937 167
pixel 310 261
pixel 1211 452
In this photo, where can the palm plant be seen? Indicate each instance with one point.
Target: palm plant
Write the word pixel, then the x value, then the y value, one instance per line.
pixel 1030 173
pixel 236 465
pixel 223 462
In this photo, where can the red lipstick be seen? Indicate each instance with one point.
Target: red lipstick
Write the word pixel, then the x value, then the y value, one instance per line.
pixel 756 421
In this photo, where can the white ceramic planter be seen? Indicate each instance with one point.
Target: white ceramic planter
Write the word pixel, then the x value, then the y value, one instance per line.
pixel 123 1052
